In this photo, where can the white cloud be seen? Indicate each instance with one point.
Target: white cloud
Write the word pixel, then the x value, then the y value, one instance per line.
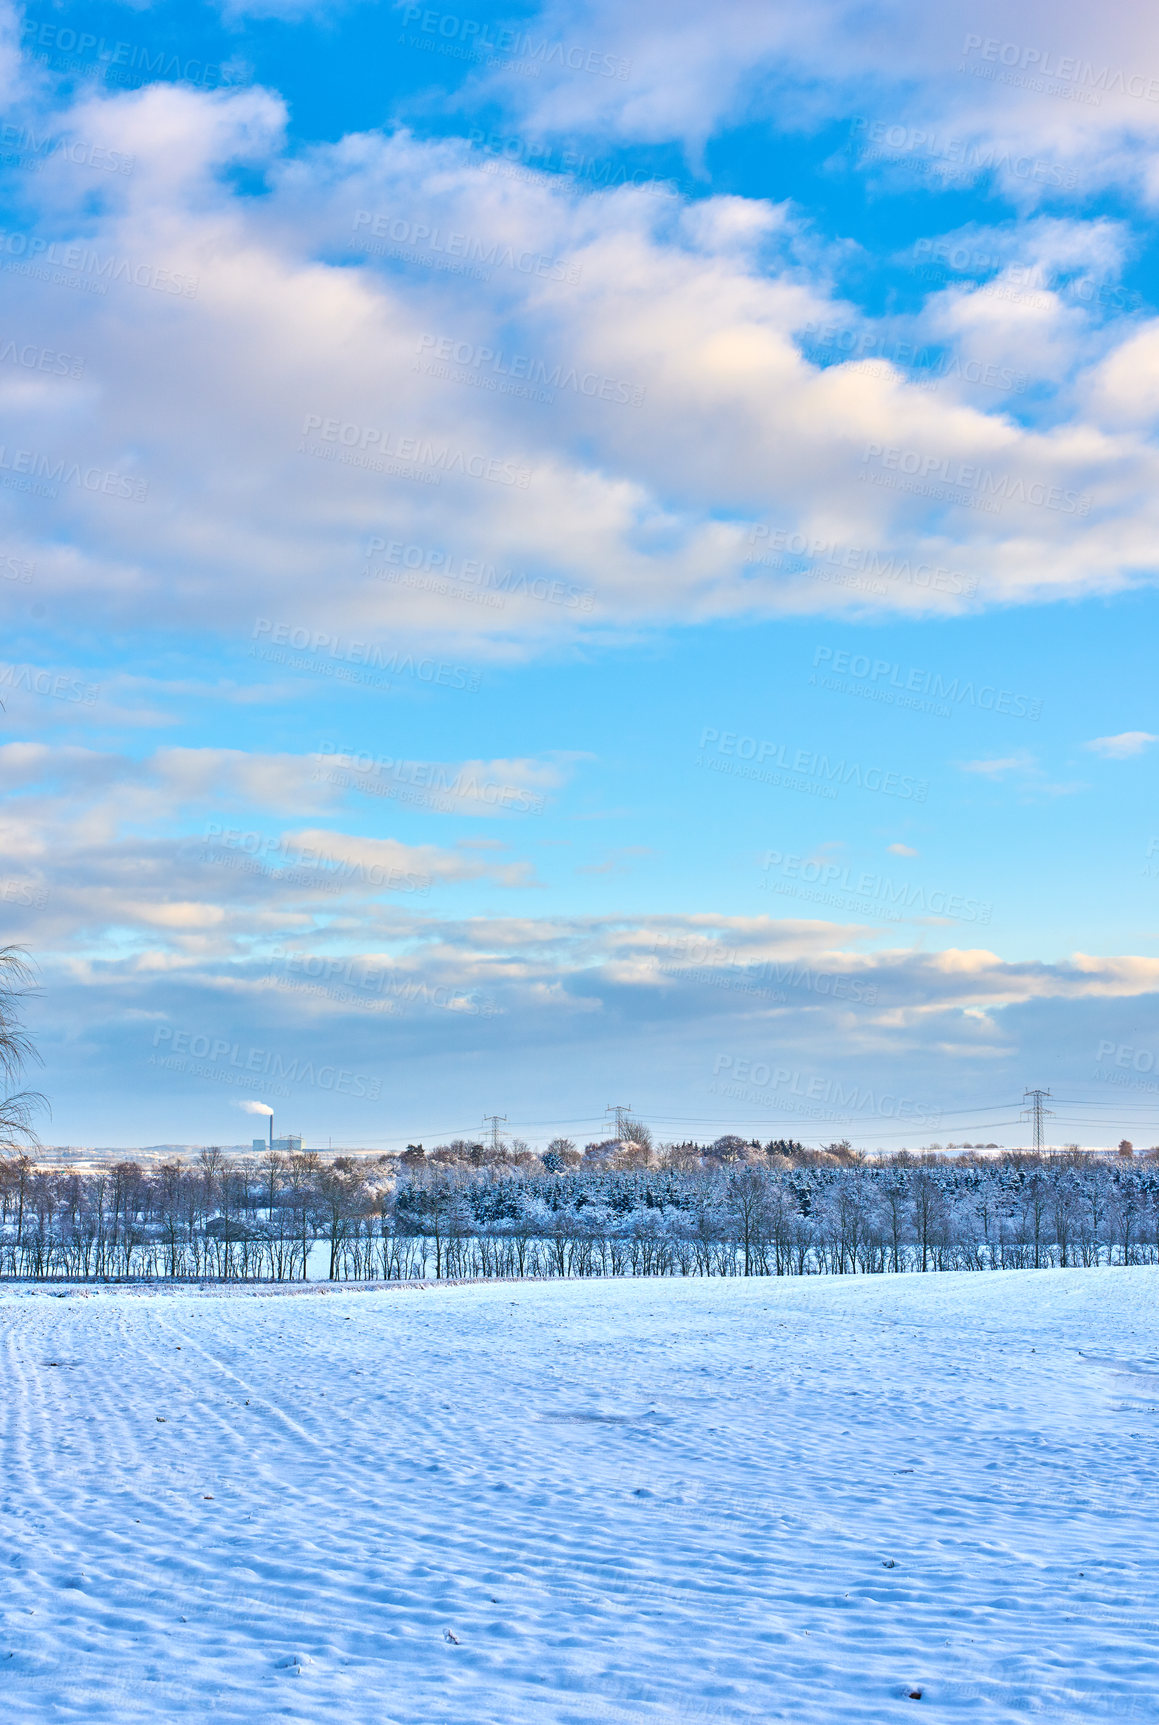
pixel 696 979
pixel 220 869
pixel 377 860
pixel 681 411
pixel 1045 102
pixel 1001 765
pixel 1123 746
pixel 679 437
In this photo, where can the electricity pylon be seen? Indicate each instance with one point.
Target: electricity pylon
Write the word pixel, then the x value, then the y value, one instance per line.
pixel 623 1114
pixel 1037 1113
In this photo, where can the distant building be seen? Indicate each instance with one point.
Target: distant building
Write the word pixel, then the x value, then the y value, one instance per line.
pixel 289 1146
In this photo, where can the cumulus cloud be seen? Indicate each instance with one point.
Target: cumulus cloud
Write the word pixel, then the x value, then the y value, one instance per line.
pixel 937 98
pixel 1123 746
pixel 604 410
pixel 752 1018
pixel 400 410
pixel 187 853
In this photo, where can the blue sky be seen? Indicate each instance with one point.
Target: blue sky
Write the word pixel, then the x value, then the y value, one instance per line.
pixel 570 556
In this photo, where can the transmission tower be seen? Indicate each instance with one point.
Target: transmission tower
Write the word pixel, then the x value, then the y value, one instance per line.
pixel 494 1119
pixel 1036 1112
pixel 623 1115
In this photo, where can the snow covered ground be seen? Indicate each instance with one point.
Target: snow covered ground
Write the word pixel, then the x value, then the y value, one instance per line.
pixel 684 1501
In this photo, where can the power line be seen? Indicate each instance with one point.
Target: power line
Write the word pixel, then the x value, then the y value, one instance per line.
pixel 1105 1110
pixel 1150 1107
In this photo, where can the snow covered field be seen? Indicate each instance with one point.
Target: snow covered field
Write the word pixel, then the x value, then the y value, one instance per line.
pixel 685 1501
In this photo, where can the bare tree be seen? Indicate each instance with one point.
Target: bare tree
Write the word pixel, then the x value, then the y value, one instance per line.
pixel 925 1199
pixel 561 1153
pixel 304 1167
pixel 635 1132
pixel 342 1194
pixel 747 1197
pixel 16 1050
pixel 273 1166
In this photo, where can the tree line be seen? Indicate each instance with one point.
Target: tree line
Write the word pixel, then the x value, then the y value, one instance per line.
pixel 731 1208
pixel 622 1206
